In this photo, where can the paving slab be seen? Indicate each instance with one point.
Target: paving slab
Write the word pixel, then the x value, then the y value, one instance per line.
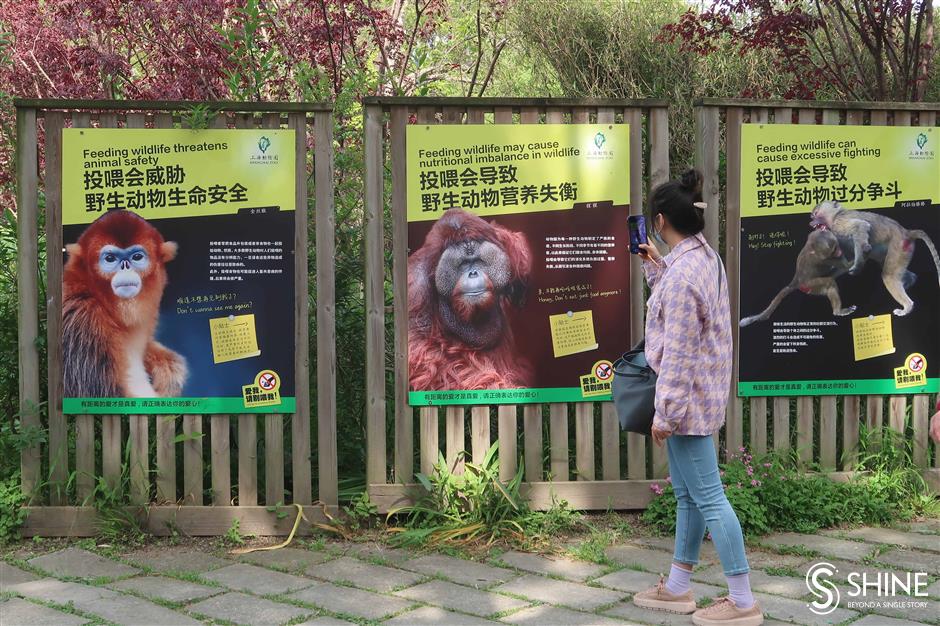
pixel 459 598
pixel 632 581
pixel 18 612
pixel 374 551
pixel 934 590
pixel 105 603
pixel 556 616
pixel 902 607
pixel 668 544
pixel 436 616
pixel 167 589
pixel 553 591
pixel 844 568
pixel 351 601
pixel 647 559
pixel 365 575
pixel 257 580
pixel 176 561
pixel 789 586
pixel 827 546
pixel 461 571
pixel 325 620
pixel 240 608
pixel 790 610
pixel 928 526
pixel 633 613
pixel 890 536
pixel 11 575
pixel 288 559
pixel 758 559
pixel 78 563
pixel 911 561
pixel 578 571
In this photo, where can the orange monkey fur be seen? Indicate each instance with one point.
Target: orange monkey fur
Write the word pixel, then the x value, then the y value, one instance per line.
pixel 109 348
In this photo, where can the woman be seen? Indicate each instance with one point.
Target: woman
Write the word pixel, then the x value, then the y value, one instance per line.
pixel 688 344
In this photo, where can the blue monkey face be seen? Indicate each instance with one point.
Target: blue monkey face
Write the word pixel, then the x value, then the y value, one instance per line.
pixel 124 266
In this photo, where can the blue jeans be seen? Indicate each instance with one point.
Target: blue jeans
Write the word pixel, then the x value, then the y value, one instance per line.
pixel 693 465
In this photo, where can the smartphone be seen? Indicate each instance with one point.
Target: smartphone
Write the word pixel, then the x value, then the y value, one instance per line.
pixel 637 226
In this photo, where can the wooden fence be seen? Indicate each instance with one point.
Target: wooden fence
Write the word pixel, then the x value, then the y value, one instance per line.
pixel 628 464
pixel 61 490
pixel 580 476
pixel 817 436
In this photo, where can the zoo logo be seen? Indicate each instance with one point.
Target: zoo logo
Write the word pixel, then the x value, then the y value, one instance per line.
pixel 919 153
pixel 825 591
pixel 599 140
pixel 264 143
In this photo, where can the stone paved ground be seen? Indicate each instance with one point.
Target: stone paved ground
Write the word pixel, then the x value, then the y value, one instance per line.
pixel 324 584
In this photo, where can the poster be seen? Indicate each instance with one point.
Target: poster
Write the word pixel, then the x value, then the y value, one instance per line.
pixel 178 286
pixel 518 267
pixel 840 279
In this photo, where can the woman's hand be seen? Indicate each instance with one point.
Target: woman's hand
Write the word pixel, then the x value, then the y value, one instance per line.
pixel 648 252
pixel 660 436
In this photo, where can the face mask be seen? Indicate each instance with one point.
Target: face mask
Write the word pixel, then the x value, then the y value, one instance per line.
pixel 658 237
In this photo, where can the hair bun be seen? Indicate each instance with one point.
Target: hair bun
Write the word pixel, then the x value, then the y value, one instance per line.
pixel 691 181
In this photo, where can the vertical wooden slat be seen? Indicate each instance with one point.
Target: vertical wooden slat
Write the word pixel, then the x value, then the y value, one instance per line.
pixel 584 440
pixel 475 115
pixel 759 115
pixel 404 427
pixel 850 422
pixel 326 312
pixel 532 426
pixel 138 425
pixel 165 424
pixel 897 414
pixel 221 470
pixel 851 405
pixel 806 116
pixel 58 427
pixel 636 443
pixel 879 118
pixel 783 115
pixel 454 433
pixel 302 489
pixel 27 274
pixel 827 432
pixel 247 460
pixel 192 460
pixel 734 116
pixel 479 432
pixel 507 424
pixel 706 160
pixel 84 424
pixel 919 417
pixel 430 448
pixel 659 173
pixel 758 408
pixel 111 442
pixel 874 411
pixel 804 428
pixel 610 443
pixel 375 298
pixel 781 424
pixel 558 437
pixel 532 413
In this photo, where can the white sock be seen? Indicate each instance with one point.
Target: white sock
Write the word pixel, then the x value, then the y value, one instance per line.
pixel 739 590
pixel 678 581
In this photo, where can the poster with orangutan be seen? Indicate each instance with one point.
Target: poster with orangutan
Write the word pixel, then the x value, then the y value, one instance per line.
pixel 178 280
pixel 518 266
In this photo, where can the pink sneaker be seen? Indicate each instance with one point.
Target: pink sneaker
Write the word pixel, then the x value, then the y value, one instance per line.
pixel 660 599
pixel 724 613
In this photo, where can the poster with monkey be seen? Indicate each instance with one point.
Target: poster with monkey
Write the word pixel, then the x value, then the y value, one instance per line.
pixel 178 283
pixel 518 264
pixel 840 275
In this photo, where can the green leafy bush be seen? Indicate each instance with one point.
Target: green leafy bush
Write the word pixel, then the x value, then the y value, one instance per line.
pixel 774 493
pixel 475 505
pixel 12 514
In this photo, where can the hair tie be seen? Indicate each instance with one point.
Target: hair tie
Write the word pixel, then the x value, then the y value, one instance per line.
pixel 700 205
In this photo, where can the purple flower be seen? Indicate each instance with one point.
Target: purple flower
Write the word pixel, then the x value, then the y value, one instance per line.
pixel 669 479
pixel 754 483
pixel 656 489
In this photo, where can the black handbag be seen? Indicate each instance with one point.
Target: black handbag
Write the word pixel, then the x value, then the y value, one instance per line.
pixel 633 389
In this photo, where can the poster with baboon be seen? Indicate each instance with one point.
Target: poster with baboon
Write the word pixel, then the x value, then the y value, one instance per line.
pixel 840 276
pixel 518 261
pixel 178 283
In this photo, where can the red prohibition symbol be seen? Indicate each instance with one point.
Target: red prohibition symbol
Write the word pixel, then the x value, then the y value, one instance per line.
pixel 267 380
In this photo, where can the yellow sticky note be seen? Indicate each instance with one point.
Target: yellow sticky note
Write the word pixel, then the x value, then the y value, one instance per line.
pixel 872 336
pixel 233 338
pixel 572 332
